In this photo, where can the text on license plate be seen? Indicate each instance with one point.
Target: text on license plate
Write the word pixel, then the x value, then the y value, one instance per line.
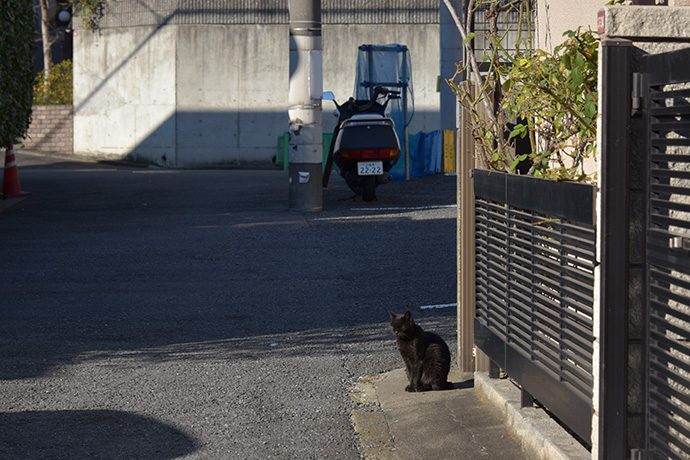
pixel 370 168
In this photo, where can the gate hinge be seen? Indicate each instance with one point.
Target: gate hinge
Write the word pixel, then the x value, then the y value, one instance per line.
pixel 678 242
pixel 637 454
pixel 637 92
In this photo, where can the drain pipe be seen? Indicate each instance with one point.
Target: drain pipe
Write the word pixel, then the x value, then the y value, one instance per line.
pixel 304 100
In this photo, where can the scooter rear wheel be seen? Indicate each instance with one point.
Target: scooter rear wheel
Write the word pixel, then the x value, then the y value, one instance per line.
pixel 368 188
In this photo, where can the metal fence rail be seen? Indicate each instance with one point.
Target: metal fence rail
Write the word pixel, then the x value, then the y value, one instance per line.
pixel 668 256
pixel 534 280
pixel 135 13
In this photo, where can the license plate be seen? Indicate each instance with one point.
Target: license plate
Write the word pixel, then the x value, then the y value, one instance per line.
pixel 370 168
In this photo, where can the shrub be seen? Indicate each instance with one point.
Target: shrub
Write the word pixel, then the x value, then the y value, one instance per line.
pixel 59 86
pixel 16 69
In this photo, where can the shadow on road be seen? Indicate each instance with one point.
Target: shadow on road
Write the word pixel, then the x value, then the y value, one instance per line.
pixel 197 298
pixel 89 434
pixel 135 263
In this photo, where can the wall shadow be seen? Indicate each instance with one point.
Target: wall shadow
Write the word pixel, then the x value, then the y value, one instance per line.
pixel 226 138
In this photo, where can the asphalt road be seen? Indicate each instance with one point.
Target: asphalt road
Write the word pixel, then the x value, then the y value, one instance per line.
pixel 157 314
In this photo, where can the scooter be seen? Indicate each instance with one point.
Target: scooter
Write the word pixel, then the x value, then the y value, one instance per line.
pixel 365 145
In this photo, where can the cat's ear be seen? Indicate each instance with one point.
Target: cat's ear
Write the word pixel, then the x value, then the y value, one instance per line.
pixel 393 315
pixel 408 315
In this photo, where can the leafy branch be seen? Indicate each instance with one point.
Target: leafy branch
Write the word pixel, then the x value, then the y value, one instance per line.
pixel 548 98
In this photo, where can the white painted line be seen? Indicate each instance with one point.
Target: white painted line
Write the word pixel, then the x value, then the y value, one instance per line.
pixel 445 305
pixel 405 208
pixel 94 170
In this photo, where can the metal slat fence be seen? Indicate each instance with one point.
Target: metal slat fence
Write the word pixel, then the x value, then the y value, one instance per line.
pixel 668 256
pixel 534 281
pixel 135 13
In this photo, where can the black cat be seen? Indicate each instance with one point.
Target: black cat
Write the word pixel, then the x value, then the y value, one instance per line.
pixel 426 355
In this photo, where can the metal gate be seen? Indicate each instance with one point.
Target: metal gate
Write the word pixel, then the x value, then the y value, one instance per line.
pixel 668 255
pixel 534 271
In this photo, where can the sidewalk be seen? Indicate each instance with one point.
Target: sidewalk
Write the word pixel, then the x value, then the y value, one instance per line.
pixel 479 419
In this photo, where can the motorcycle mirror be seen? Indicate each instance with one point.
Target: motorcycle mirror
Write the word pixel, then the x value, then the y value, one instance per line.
pixel 328 96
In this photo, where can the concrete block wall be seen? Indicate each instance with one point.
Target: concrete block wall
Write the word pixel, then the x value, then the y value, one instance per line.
pixel 51 129
pixel 216 95
pixel 124 93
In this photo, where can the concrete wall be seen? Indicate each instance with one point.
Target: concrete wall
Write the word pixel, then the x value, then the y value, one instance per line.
pixel 554 17
pixel 231 93
pixel 216 95
pixel 125 93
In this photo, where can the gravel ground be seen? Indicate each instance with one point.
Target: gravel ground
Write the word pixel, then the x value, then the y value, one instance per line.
pixel 152 314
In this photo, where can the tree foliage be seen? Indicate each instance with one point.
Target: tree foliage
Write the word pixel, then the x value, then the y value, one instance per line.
pixel 556 93
pixel 550 98
pixel 16 69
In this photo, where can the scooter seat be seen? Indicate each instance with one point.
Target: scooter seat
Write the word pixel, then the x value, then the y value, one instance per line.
pixel 366 116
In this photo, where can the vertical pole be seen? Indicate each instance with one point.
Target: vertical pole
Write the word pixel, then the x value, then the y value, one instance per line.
pixel 304 99
pixel 467 290
pixel 451 54
pixel 370 68
pixel 407 150
pixel 406 142
pixel 458 248
pixel 610 427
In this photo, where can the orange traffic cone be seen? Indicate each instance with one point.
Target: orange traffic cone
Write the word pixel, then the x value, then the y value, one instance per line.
pixel 10 180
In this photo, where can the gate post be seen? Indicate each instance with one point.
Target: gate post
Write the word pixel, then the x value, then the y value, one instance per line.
pixel 609 430
pixel 466 291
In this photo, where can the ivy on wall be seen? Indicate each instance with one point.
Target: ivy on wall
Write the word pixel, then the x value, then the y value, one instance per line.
pixel 89 11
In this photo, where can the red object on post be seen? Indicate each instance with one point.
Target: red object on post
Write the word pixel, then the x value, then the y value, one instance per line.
pixel 601 22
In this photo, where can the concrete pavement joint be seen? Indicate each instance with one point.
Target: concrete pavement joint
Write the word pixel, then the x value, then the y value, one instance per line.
pixel 369 421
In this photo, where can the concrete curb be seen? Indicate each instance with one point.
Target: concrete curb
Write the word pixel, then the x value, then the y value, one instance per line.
pixel 369 421
pixel 59 156
pixel 540 436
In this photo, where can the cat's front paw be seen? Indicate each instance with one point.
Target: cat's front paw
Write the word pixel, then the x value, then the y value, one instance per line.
pixel 410 389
